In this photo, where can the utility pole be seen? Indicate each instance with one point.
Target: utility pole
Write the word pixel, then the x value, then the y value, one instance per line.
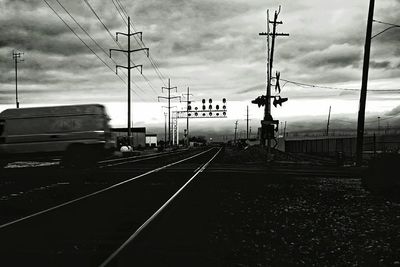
pixel 188 102
pixel 284 132
pixel 169 88
pixel 165 128
pixel 247 120
pixel 129 67
pixel 236 124
pixel 363 93
pixel 329 118
pixel 379 125
pixel 17 58
pixel 270 59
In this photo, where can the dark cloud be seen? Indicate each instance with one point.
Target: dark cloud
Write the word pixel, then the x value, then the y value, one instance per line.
pixel 393 112
pixel 379 65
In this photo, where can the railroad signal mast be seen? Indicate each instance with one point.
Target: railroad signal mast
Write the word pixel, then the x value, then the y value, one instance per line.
pixel 17 58
pixel 188 103
pixel 129 67
pixel 268 124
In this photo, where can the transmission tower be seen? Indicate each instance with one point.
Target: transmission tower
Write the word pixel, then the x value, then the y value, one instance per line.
pixel 129 67
pixel 169 97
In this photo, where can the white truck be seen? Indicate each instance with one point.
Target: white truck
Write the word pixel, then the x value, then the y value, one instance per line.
pixel 80 134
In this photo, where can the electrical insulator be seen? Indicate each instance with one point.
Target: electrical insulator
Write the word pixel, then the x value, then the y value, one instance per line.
pixel 217 107
pixel 223 100
pixel 210 107
pixel 204 106
pixel 203 101
pixel 210 100
pixel 210 113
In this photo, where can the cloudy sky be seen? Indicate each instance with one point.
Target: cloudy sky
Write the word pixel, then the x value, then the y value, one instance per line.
pixel 212 46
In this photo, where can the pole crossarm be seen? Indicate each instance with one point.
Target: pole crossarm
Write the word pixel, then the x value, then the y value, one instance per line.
pixel 169 88
pixel 128 68
pixel 273 34
pixel 130 51
pixel 128 34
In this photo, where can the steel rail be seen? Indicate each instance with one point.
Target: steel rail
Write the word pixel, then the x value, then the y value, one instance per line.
pixel 120 161
pixel 152 217
pixel 100 191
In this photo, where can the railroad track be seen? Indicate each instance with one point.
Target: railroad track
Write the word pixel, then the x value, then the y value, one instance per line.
pixel 93 229
pixel 21 182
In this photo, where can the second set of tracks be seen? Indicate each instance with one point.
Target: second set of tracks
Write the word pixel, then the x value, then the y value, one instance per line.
pixel 92 229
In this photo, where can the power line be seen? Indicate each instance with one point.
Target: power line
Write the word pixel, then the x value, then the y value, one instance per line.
pixel 390 24
pixel 152 61
pixel 335 88
pixel 112 37
pixel 115 3
pixel 69 27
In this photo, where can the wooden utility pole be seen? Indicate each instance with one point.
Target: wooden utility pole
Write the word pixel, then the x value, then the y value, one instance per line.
pixel 165 128
pixel 129 67
pixel 169 88
pixel 236 124
pixel 270 59
pixel 247 121
pixel 329 118
pixel 17 58
pixel 363 94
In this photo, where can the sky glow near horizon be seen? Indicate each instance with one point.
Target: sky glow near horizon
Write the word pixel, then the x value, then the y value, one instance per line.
pixel 211 46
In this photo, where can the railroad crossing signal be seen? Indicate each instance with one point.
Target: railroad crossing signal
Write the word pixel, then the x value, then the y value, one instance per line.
pixel 262 100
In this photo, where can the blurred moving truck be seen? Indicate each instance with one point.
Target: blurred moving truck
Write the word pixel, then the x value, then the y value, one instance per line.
pixel 80 134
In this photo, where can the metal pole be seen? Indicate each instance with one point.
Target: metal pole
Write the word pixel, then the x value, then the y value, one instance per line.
pixel 247 122
pixel 16 81
pixel 169 112
pixel 327 125
pixel 187 117
pixel 165 128
pixel 379 126
pixel 129 81
pixel 363 94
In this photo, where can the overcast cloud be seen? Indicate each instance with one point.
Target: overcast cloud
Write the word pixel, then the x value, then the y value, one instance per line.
pixel 212 46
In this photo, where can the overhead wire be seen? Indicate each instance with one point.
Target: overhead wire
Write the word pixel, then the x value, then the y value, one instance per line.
pixel 73 31
pixel 126 23
pixel 152 60
pixel 112 37
pixel 335 88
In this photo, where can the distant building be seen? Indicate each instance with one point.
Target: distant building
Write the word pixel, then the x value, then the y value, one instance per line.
pixel 138 136
pixel 151 140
